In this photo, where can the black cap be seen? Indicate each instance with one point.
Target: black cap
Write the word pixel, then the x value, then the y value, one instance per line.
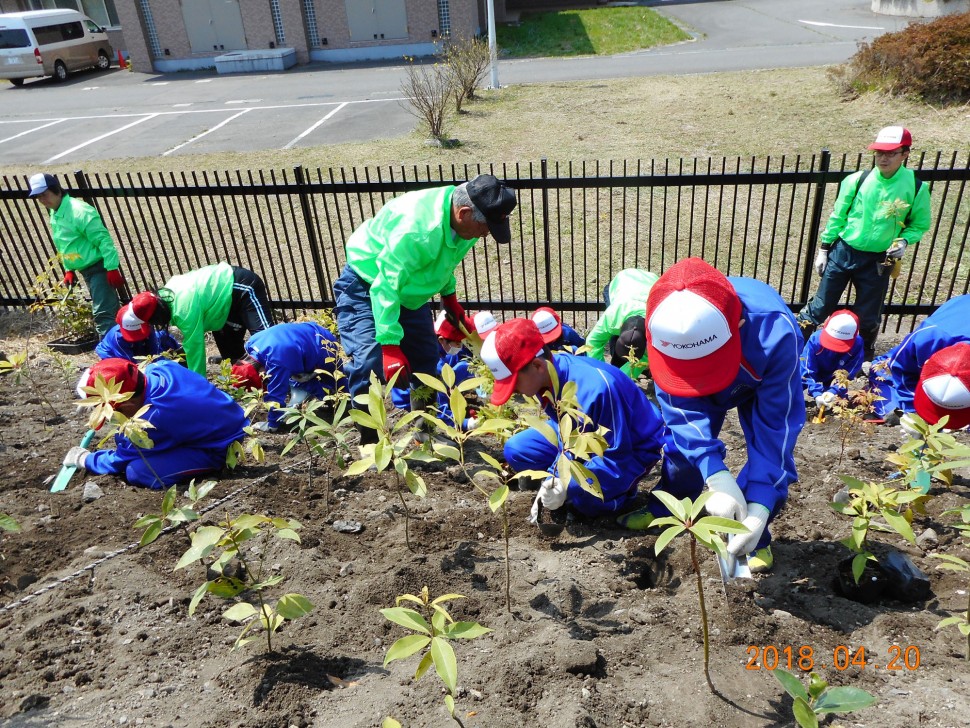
pixel 633 335
pixel 496 202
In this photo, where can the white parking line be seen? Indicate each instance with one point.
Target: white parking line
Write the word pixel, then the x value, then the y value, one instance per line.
pixel 834 25
pixel 31 131
pixel 176 106
pixel 315 125
pixel 244 101
pixel 207 131
pixel 98 138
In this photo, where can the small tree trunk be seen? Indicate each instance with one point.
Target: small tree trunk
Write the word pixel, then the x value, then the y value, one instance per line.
pixel 700 595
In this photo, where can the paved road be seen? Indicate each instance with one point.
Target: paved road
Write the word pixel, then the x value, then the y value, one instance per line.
pixel 96 116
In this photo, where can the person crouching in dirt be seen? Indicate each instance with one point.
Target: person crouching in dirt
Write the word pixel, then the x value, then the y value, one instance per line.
pixel 620 330
pixel 224 299
pixel 294 362
pixel 717 344
pixel 836 346
pixel 115 346
pixel 451 351
pixel 557 335
pixel 895 374
pixel 193 424
pixel 519 359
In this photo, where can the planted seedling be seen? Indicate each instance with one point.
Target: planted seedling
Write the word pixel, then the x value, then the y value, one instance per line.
pixel 394 447
pixel 72 316
pixel 153 523
pixel 224 542
pixel 433 628
pixel 819 699
pixel 18 367
pixel 867 503
pixel 850 410
pixel 685 516
pixel 322 427
pixel 251 445
pixel 931 453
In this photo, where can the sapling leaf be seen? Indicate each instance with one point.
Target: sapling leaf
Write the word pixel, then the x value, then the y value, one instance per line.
pixel 389 722
pixel 498 497
pixel 843 700
pixel 426 662
pixel 488 458
pixel 667 536
pixel 956 563
pixel 438 619
pixel 289 534
pixel 226 587
pixel 465 630
pixel 804 714
pixel 382 455
pixel 816 685
pixel 450 705
pixel 859 566
pixel 445 663
pixel 722 525
pixel 198 596
pixel 899 524
pixel 459 405
pixel 405 647
pixel 240 612
pixel 363 419
pixel 168 501
pixel 407 618
pixel 433 382
pixel 676 507
pixel 409 598
pixel 271 581
pixel 359 466
pixel 151 533
pixel 203 541
pixel 792 685
pixel 543 427
pixel 416 484
pixel 447 451
pixel 447 598
pixel 145 521
pixel 293 606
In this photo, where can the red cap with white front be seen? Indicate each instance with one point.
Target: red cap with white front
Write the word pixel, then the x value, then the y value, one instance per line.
pixel 891 138
pixel 840 330
pixel 548 323
pixel 445 329
pixel 507 350
pixel 133 318
pixel 944 387
pixel 693 316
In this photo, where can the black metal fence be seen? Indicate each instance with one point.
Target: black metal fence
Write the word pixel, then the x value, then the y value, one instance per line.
pixel 576 225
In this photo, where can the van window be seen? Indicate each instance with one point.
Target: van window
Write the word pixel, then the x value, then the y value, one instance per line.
pixel 58 33
pixel 93 27
pixel 14 38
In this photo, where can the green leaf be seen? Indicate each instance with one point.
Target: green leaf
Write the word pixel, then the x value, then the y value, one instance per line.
pixel 433 382
pixel 843 700
pixel 358 467
pixel 416 484
pixel 447 598
pixel 203 541
pixel 227 587
pixel 899 524
pixel 956 563
pixel 389 722
pixel 488 458
pixel 498 497
pixel 407 618
pixel 169 500
pixel 293 606
pixel 151 533
pixel 676 508
pixel 951 620
pixel 858 566
pixel 544 429
pixel 447 451
pixel 405 647
pixel 197 597
pixel 450 705
pixel 667 536
pixel 240 612
pixel 792 685
pixel 804 714
pixel 459 405
pixel 465 630
pixel 363 419
pixel 423 666
pixel 721 525
pixel 289 534
pixel 445 663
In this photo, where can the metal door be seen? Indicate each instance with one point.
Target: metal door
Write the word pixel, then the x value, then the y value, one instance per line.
pixel 213 25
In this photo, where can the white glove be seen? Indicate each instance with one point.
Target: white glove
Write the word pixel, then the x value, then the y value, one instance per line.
pixel 265 426
pixel 821 258
pixel 728 500
pixel 469 424
pixel 741 544
pixel 297 397
pixel 866 367
pixel 897 249
pixel 76 456
pixel 825 399
pixel 909 426
pixel 552 493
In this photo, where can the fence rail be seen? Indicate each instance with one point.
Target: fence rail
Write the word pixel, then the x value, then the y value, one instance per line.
pixel 576 225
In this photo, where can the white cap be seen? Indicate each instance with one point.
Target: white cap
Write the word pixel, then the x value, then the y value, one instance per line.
pixel 484 322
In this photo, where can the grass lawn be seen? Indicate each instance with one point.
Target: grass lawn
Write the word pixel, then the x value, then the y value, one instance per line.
pixel 591 32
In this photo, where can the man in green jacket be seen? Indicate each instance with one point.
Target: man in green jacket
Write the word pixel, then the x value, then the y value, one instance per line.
pixel 877 216
pixel 396 262
pixel 224 299
pixel 84 245
pixel 621 328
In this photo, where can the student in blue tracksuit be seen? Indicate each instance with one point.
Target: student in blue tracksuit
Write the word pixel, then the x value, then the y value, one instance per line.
pixel 837 345
pixel 557 335
pixel 115 346
pixel 519 358
pixel 717 344
pixel 193 425
pixel 451 351
pixel 894 375
pixel 296 361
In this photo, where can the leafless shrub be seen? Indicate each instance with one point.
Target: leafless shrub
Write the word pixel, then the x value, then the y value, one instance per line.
pixel 468 59
pixel 427 89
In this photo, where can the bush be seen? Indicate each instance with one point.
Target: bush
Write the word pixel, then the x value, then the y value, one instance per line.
pixel 930 61
pixel 468 59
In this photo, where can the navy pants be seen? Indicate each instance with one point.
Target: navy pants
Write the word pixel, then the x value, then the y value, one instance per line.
pixel 249 310
pixel 174 466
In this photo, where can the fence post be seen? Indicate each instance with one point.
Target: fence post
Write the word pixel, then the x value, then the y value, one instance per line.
pixel 546 243
pixel 82 184
pixel 310 228
pixel 816 221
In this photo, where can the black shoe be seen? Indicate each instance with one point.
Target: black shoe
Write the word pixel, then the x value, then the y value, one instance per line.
pixel 215 360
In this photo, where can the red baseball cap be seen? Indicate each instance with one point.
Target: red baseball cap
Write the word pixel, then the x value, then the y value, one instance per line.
pixel 944 387
pixel 133 318
pixel 246 374
pixel 891 138
pixel 445 329
pixel 548 323
pixel 693 316
pixel 840 331
pixel 507 350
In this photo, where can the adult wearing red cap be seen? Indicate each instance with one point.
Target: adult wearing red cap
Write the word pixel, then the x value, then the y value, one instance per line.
pixel 192 424
pixel 836 346
pixel 396 262
pixel 895 375
pixel 717 344
pixel 84 245
pixel 519 359
pixel 875 219
pixel 224 299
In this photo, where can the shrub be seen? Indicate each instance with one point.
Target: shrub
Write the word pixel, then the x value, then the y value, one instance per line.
pixel 930 61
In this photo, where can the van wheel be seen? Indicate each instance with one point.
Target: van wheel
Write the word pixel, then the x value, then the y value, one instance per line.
pixel 104 63
pixel 60 71
pixel 17 81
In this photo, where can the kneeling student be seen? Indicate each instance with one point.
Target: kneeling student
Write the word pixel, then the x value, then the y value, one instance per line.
pixel 837 345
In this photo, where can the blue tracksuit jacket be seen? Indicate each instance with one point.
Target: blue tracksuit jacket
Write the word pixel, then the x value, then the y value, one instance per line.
pixel 895 374
pixel 113 345
pixel 767 393
pixel 571 339
pixel 819 364
pixel 634 437
pixel 286 351
pixel 459 363
pixel 193 425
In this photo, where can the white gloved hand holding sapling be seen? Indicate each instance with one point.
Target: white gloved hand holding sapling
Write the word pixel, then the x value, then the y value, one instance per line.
pixel 728 500
pixel 741 544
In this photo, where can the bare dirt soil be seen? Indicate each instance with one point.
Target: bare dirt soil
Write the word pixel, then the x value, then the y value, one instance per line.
pixel 601 632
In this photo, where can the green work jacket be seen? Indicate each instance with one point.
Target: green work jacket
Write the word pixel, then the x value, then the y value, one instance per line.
pixel 628 297
pixel 200 302
pixel 80 237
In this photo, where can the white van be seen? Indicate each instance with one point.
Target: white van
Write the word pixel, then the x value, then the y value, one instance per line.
pixel 54 43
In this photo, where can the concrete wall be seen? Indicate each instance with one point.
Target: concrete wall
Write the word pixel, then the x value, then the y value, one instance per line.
pixel 920 8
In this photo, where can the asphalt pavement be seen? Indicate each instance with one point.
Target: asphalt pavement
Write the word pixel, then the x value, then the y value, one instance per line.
pixel 95 116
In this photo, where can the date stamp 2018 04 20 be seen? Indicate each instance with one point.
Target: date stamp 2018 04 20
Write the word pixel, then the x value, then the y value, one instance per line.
pixel 842 657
